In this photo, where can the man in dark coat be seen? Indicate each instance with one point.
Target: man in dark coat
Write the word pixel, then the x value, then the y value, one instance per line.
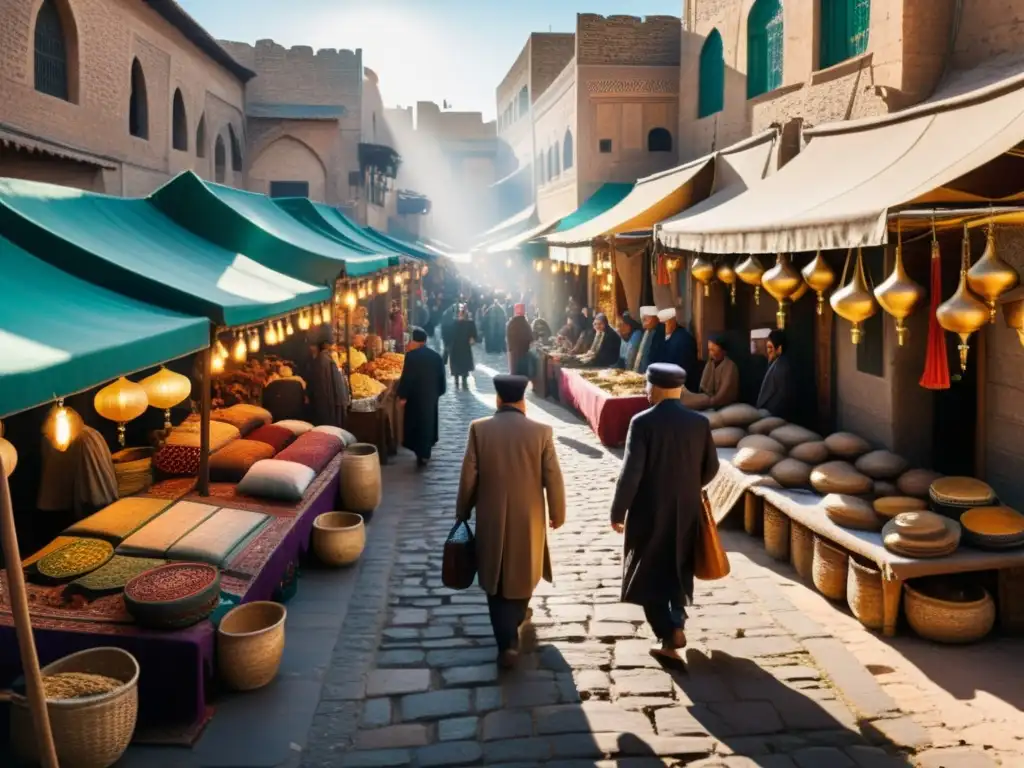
pixel 494 328
pixel 420 387
pixel 669 458
pixel 677 346
pixel 777 388
pixel 326 387
pixel 518 337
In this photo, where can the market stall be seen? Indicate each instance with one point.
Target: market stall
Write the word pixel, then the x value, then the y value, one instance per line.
pixel 608 400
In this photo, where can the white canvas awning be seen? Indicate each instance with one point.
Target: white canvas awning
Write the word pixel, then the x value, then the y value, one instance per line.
pixel 511 226
pixel 837 192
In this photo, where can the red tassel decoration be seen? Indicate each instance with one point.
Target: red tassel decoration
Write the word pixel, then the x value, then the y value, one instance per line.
pixel 936 364
pixel 663 276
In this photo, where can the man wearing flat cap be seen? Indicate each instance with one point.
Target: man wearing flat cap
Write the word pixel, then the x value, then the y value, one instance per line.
pixel 420 387
pixel 511 476
pixel 677 346
pixel 669 458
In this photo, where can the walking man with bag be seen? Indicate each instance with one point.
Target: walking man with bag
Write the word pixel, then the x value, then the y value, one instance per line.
pixel 669 458
pixel 511 476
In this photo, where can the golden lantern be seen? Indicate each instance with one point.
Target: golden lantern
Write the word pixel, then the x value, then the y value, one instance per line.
pixel 703 272
pixel 963 313
pixel 383 285
pixel 800 292
pixel 554 267
pixel 361 293
pixel 254 340
pixel 62 426
pixel 325 313
pixel 566 267
pixel 270 335
pixel 819 277
pixel 727 275
pixel 166 389
pixel 854 301
pixel 398 279
pixel 239 351
pixel 317 319
pixel 216 364
pixel 750 272
pixel 8 456
pixel 781 282
pixel 991 277
pixel 350 300
pixel 303 321
pixel 220 349
pixel 899 295
pixel 1013 314
pixel 121 402
pixel 280 332
pixel 289 329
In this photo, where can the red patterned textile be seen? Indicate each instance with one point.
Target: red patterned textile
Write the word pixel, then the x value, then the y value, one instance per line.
pixel 313 449
pixel 608 416
pixel 177 460
pixel 276 437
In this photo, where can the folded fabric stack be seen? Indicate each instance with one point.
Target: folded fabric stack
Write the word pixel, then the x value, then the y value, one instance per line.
pixel 118 521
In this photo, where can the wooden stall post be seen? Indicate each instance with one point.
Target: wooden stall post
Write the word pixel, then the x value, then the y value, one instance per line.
pixel 23 628
pixel 204 418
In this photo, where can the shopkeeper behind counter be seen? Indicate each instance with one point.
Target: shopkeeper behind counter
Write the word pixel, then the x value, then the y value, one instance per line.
pixel 677 346
pixel 720 383
pixel 777 394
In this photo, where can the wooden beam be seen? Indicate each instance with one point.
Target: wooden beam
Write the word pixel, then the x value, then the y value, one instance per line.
pixel 204 418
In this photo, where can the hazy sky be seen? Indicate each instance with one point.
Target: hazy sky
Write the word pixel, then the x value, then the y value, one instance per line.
pixel 423 50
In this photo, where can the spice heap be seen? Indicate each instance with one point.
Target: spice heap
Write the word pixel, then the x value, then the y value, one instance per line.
pixel 76 685
pixel 386 368
pixel 363 386
pixel 245 384
pixel 615 382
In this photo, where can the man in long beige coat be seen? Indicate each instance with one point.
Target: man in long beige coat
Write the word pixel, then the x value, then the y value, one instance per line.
pixel 509 468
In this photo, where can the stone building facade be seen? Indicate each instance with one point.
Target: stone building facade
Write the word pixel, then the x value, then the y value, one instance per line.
pixel 115 96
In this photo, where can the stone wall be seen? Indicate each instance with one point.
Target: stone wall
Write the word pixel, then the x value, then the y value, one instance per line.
pixel 298 75
pixel 988 28
pixel 550 52
pixel 629 40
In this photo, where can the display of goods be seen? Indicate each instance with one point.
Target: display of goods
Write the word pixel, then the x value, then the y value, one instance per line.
pixel 173 596
pixel 245 384
pixel 714 418
pixel 916 482
pixel 727 437
pixel 117 572
pixel 386 368
pixel 881 465
pixel 338 538
pixel 847 445
pixel 739 415
pixel 766 426
pixel 754 461
pixel 363 386
pixel 921 535
pixel 763 443
pixel 75 559
pixel 813 453
pixel 250 644
pixel 791 473
pixel 791 435
pixel 993 527
pixel 360 479
pixel 77 685
pixel 881 488
pixel 945 611
pixel 890 506
pixel 851 512
pixel 839 477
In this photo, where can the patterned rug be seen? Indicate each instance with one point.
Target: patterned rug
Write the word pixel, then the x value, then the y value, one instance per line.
pixel 251 559
pixel 727 489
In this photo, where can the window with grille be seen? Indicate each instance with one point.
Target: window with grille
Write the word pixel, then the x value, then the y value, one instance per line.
pixel 51 53
pixel 220 161
pixel 289 189
pixel 659 140
pixel 843 30
pixel 179 123
pixel 236 150
pixel 138 104
pixel 711 88
pixel 604 146
pixel 764 47
pixel 201 137
pixel 567 150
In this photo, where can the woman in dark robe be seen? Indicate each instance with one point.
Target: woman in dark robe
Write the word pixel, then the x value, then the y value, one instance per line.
pixel 494 328
pixel 519 336
pixel 328 393
pixel 460 354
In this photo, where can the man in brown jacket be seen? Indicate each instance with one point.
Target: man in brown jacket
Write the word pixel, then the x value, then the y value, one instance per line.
pixel 720 383
pixel 509 470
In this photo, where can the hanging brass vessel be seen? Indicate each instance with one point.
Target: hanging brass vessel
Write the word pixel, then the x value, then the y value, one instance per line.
pixel 818 275
pixel 800 293
pixel 1013 314
pixel 781 282
pixel 854 302
pixel 704 272
pixel 991 277
pixel 899 295
pixel 963 313
pixel 727 275
pixel 750 272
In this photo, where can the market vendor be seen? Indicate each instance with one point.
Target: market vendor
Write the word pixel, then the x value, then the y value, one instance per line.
pixel 604 351
pixel 720 383
pixel 777 388
pixel 677 346
pixel 327 390
pixel 541 330
pixel 631 333
pixel 649 324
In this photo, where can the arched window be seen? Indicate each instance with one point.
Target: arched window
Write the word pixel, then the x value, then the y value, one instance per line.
pixel 179 123
pixel 540 168
pixel 524 101
pixel 764 47
pixel 52 66
pixel 201 137
pixel 659 140
pixel 567 150
pixel 556 159
pixel 844 30
pixel 138 104
pixel 551 164
pixel 711 91
pixel 236 150
pixel 220 160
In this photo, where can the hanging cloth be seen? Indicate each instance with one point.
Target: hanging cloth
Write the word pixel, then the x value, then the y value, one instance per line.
pixel 936 364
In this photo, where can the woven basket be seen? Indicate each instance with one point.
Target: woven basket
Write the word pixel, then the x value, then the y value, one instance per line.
pixel 88 732
pixel 947 621
pixel 864 593
pixel 339 538
pixel 752 513
pixel 134 470
pixel 250 643
pixel 776 532
pixel 829 569
pixel 801 549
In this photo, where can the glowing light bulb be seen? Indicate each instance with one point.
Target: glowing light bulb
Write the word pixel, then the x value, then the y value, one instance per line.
pixel 350 300
pixel 362 292
pixel 303 321
pixel 316 316
pixel 554 267
pixel 254 341
pixel 239 353
pixel 62 426
pixel 280 332
pixel 326 313
pixel 289 329
pixel 220 349
pixel 217 364
pixel 270 335
pixel 398 279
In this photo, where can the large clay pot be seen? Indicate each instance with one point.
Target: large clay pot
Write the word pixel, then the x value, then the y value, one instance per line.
pixel 250 643
pixel 339 538
pixel 360 479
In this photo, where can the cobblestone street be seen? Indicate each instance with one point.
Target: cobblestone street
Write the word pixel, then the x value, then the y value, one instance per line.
pixel 413 679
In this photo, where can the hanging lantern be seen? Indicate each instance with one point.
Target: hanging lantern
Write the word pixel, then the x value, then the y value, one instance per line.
pixel 1013 314
pixel 398 279
pixel 854 302
pixel 538 265
pixel 317 319
pixel 991 277
pixel 701 269
pixel 576 270
pixel 361 293
pixel 279 330
pixel 963 313
pixel 121 402
pixel 216 364
pixel 406 276
pixel 554 267
pixel 750 272
pixel 818 275
pixel 350 300
pixel 566 267
pixel 62 426
pixel 166 389
pixel 610 279
pixel 303 321
pixel 383 286
pixel 325 313
pixel 727 275
pixel 9 456
pixel 800 293
pixel 270 335
pixel 254 340
pixel 220 349
pixel 899 295
pixel 239 351
pixel 289 329
pixel 781 282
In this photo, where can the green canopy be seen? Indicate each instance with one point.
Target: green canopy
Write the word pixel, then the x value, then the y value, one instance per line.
pixel 415 250
pixel 128 246
pixel 606 197
pixel 61 335
pixel 324 219
pixel 250 223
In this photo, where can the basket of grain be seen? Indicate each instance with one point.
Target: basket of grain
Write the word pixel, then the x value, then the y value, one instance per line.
pixel 92 698
pixel 134 470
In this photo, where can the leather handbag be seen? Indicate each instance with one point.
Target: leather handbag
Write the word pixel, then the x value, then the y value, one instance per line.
pixel 458 568
pixel 711 561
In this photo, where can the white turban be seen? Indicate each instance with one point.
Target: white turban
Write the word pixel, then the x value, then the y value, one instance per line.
pixel 648 312
pixel 664 315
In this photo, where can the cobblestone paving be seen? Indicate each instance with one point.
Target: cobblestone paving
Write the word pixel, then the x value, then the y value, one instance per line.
pixel 413 680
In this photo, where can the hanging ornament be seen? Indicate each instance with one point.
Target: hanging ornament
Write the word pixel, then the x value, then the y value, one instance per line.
pixel 701 269
pixel 991 277
pixel 781 282
pixel 566 267
pixel 216 364
pixel 818 275
pixel 398 279
pixel 279 330
pixel 899 295
pixel 384 285
pixel 239 352
pixel 854 301
pixel 325 313
pixel 166 389
pixel 62 426
pixel 289 329
pixel 220 349
pixel 727 276
pixel 554 267
pixel 317 320
pixel 8 456
pixel 750 272
pixel 121 402
pixel 1013 314
pixel 254 340
pixel 800 292
pixel 350 300
pixel 303 321
pixel 963 313
pixel 270 335
pixel 361 293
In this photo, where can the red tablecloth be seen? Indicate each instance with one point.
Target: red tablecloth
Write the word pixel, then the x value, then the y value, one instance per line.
pixel 608 416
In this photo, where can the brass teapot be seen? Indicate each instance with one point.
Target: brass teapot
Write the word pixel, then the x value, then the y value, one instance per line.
pixel 781 282
pixel 818 275
pixel 703 272
pixel 899 295
pixel 991 277
pixel 854 301
pixel 963 313
pixel 727 275
pixel 750 272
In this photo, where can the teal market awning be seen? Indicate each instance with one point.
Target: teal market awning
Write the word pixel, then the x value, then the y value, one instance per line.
pixel 61 335
pixel 604 199
pixel 413 250
pixel 126 245
pixel 250 223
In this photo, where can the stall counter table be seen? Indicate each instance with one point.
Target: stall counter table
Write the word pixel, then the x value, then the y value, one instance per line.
pixel 608 416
